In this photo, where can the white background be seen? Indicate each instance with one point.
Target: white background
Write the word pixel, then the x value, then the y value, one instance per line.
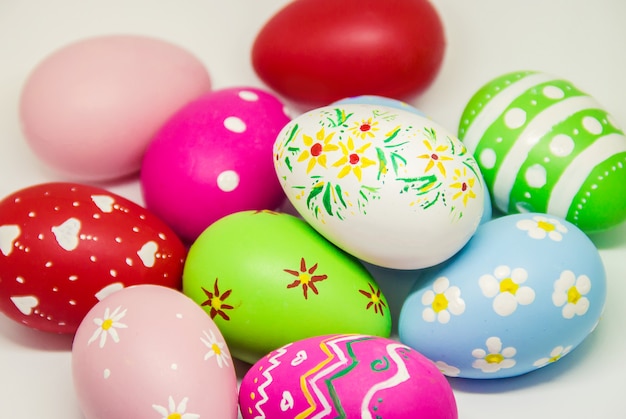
pixel 580 40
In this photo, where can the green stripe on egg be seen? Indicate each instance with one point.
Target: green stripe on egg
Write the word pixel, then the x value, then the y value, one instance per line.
pixel 545 146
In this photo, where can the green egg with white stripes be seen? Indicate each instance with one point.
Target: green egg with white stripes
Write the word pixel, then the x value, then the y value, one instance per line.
pixel 543 145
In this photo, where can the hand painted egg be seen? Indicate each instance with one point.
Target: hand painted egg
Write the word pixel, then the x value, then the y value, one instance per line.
pixel 524 292
pixel 347 376
pixel 212 158
pixel 545 146
pixel 389 186
pixel 317 51
pixel 91 108
pixel 268 279
pixel 394 103
pixel 149 352
pixel 65 246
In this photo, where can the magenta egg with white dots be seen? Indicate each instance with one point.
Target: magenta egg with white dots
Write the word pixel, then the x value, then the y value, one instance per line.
pixel 213 158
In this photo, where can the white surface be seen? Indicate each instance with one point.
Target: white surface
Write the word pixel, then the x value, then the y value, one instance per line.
pixel 580 40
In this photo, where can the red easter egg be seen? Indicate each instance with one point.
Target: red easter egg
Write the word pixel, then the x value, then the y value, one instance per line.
pixel 65 246
pixel 317 51
pixel 213 158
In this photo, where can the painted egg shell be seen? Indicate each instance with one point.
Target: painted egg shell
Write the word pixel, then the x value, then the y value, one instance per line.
pixel 317 51
pixel 212 158
pixel 379 101
pixel 65 246
pixel 389 186
pixel 268 279
pixel 91 108
pixel 394 103
pixel 535 297
pixel 346 376
pixel 545 146
pixel 150 352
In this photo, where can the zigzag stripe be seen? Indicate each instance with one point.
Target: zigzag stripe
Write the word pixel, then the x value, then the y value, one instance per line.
pixel 268 380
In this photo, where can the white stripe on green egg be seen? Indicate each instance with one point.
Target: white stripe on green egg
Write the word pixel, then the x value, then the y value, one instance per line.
pixel 545 146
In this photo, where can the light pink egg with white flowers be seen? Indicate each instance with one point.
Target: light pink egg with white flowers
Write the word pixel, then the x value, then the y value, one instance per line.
pixel 149 351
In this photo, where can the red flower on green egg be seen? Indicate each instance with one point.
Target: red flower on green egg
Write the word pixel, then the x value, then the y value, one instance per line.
pixel 305 278
pixel 375 299
pixel 216 301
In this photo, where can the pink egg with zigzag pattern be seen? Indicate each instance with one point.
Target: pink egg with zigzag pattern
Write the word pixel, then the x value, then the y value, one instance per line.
pixel 346 376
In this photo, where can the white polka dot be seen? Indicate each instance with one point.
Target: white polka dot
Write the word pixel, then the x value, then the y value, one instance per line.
pixel 535 176
pixel 234 124
pixel 107 373
pixel 561 145
pixel 515 118
pixel 228 180
pixel 73 277
pixel 179 316
pixel 20 279
pixel 592 125
pixel 174 367
pixel 488 158
pixel 248 96
pixel 553 92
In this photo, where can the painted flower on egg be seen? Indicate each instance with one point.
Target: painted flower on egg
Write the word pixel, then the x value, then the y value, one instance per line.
pixel 442 301
pixel 504 286
pixel 569 293
pixel 107 326
pixel 174 411
pixel 495 357
pixel 342 148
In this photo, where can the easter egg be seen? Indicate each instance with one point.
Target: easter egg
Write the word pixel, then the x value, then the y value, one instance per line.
pixel 347 376
pixel 268 279
pixel 212 158
pixel 90 108
pixel 543 145
pixel 315 52
pixel 150 352
pixel 65 246
pixel 538 293
pixel 388 186
pixel 379 101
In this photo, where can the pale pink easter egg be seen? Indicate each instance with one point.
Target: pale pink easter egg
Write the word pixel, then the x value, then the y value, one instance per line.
pixel 148 352
pixel 90 108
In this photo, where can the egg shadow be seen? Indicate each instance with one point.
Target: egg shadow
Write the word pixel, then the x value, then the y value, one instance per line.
pixel 611 238
pixel 549 373
pixel 35 339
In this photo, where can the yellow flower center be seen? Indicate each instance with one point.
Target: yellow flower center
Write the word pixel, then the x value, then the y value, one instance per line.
pixel 304 278
pixel 494 358
pixel 375 298
pixel 174 416
pixel 554 358
pixel 216 348
pixel 573 295
pixel 216 303
pixel 508 285
pixel 544 225
pixel 440 303
pixel 106 325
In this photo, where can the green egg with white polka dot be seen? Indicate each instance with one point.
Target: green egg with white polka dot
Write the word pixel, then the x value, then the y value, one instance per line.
pixel 268 279
pixel 543 145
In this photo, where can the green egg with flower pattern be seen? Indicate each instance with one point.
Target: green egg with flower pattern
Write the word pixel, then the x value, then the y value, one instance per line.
pixel 268 279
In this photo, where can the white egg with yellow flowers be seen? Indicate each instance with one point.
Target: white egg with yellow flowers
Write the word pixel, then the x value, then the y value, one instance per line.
pixel 389 186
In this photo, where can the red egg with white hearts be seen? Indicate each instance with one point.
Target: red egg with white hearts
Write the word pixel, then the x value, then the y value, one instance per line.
pixel 65 246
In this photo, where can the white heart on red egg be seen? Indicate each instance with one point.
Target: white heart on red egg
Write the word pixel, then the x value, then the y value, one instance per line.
pixel 66 246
